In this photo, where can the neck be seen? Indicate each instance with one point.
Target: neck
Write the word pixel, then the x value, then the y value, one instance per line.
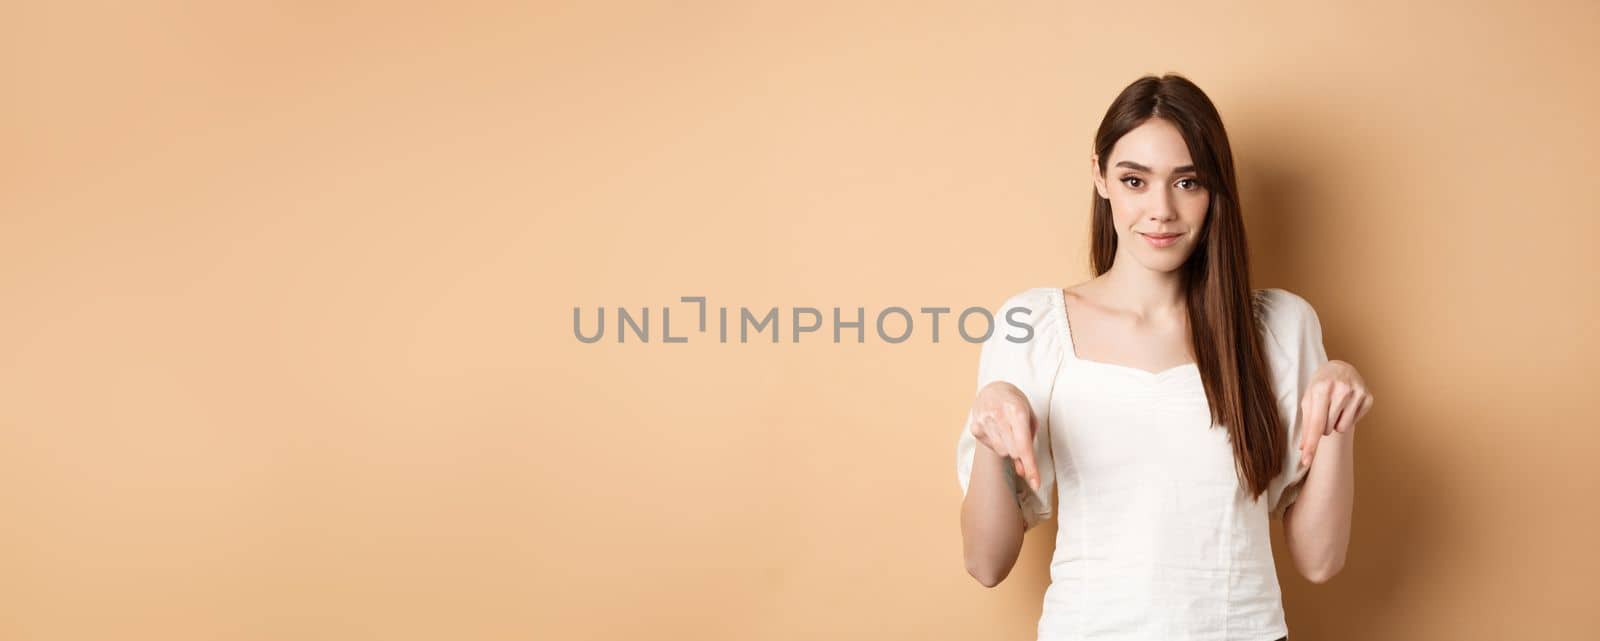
pixel 1144 292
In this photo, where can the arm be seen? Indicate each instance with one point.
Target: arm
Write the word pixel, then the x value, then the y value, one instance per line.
pixel 1001 433
pixel 991 522
pixel 1003 457
pixel 1317 525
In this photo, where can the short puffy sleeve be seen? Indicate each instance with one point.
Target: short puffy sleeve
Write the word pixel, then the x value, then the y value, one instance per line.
pixel 1293 340
pixel 1025 350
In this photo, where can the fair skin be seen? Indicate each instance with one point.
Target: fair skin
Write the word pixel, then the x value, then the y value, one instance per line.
pixel 1134 315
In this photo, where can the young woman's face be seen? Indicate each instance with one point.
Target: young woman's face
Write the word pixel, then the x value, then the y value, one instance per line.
pixel 1157 203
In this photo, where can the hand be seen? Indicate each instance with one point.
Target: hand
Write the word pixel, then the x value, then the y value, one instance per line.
pixel 1003 421
pixel 1336 399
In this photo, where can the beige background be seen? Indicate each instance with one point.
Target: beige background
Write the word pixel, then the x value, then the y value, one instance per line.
pixel 286 346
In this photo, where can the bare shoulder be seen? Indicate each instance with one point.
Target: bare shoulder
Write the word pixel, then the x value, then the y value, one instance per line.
pixel 1083 293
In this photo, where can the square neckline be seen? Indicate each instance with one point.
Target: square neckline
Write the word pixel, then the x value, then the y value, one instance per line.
pixel 1072 348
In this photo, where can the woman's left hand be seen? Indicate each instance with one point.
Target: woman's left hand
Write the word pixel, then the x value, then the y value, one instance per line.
pixel 1336 399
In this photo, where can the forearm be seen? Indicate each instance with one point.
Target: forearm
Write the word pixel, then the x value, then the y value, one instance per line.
pixel 1317 524
pixel 991 522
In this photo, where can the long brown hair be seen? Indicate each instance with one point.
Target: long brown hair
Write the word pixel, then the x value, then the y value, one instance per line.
pixel 1223 319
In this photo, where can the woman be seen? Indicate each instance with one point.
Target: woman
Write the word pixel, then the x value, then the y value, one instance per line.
pixel 1178 408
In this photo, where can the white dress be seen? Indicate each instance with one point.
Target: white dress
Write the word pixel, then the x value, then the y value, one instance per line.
pixel 1157 539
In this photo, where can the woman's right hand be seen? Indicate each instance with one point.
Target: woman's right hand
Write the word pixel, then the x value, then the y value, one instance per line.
pixel 1003 421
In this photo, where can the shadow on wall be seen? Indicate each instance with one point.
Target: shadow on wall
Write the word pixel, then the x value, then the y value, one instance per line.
pixel 1294 237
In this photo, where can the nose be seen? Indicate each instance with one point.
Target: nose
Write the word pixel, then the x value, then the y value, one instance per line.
pixel 1165 208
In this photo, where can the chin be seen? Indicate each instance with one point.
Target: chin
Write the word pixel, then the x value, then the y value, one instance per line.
pixel 1164 266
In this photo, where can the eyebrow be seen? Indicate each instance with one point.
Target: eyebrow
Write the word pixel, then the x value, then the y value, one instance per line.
pixel 1136 166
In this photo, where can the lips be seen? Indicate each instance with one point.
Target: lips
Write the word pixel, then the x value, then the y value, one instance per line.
pixel 1160 240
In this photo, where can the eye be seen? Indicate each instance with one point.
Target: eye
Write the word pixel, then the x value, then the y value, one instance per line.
pixel 1193 184
pixel 1135 179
